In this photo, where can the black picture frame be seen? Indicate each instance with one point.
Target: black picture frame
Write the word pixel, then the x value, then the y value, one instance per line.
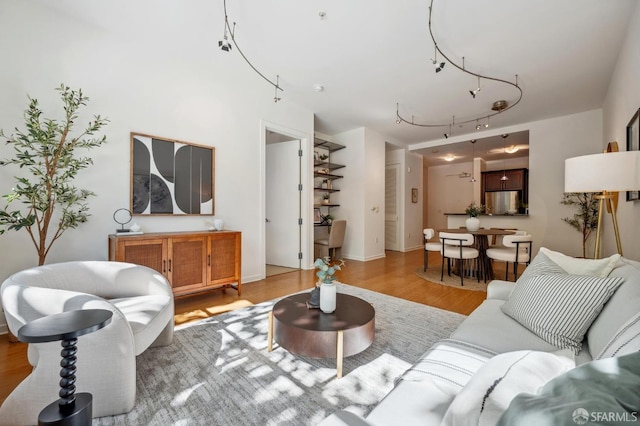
pixel 171 177
pixel 633 144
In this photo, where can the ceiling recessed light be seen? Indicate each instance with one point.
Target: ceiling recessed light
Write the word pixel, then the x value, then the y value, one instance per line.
pixel 318 87
pixel 449 157
pixel 512 149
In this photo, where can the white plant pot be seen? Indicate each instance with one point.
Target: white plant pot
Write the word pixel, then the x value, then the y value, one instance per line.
pixel 473 224
pixel 328 297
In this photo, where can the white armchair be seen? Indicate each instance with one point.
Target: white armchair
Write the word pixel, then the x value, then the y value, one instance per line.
pixel 141 300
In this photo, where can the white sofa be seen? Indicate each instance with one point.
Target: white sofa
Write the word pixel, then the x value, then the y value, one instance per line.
pixel 459 380
pixel 142 304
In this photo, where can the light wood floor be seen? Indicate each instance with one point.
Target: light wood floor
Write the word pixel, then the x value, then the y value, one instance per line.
pixel 394 275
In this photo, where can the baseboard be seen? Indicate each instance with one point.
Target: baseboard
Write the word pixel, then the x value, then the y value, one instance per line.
pixel 407 249
pixel 251 278
pixel 4 329
pixel 365 258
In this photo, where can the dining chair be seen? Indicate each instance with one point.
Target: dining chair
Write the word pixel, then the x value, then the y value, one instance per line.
pixel 332 246
pixel 517 249
pixel 457 246
pixel 496 240
pixel 429 233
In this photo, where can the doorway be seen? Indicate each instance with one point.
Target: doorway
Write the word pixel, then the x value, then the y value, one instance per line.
pixel 283 204
pixel 392 207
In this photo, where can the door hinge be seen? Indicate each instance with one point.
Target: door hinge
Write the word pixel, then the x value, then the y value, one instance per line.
pixel 299 187
pixel 299 221
pixel 300 255
pixel 299 153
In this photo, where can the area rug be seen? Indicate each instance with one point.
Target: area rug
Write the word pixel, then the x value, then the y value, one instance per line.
pixel 432 274
pixel 218 372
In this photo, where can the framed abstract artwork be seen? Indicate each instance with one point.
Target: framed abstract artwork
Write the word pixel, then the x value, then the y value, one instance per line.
pixel 633 144
pixel 171 177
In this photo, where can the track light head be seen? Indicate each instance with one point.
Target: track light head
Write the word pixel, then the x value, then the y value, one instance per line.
pixel 478 127
pixel 224 44
pixel 446 135
pixel 398 121
pixel 440 66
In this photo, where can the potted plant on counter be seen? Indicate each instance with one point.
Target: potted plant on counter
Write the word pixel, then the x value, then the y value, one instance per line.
pixel 473 211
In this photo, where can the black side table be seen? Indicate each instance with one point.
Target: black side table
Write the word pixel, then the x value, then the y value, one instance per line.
pixel 71 409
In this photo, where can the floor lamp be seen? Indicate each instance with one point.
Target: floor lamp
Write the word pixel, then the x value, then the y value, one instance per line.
pixel 603 173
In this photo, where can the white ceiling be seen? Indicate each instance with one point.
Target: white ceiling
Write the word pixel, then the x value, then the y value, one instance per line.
pixel 371 54
pixel 492 148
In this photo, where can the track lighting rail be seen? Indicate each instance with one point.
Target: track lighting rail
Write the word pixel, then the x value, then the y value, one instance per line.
pixel 224 45
pixel 499 106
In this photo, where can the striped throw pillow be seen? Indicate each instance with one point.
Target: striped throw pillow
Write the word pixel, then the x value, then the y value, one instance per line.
pixel 559 308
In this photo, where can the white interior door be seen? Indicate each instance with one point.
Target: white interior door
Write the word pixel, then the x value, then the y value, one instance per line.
pixel 282 230
pixel 392 207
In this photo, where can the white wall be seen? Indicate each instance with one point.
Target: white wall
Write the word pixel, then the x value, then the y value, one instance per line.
pixel 361 195
pixel 440 198
pixel 622 101
pixel 374 174
pixel 218 101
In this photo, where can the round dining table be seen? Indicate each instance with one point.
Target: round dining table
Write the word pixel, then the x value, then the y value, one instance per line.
pixel 481 242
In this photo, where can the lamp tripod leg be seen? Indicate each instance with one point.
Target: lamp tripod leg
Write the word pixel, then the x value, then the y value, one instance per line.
pixel 596 254
pixel 615 225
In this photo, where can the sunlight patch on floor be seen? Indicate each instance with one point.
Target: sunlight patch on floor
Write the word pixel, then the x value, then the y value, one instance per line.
pixel 207 312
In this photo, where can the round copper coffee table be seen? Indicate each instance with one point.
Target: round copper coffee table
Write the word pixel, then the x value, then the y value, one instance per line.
pixel 310 332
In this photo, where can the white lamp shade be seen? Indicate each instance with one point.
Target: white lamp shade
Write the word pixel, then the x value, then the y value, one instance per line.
pixel 612 171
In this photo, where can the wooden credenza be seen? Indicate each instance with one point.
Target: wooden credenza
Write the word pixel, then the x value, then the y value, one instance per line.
pixel 191 261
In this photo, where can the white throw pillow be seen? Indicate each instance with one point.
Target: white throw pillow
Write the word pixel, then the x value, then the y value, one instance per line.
pixel 541 265
pixel 616 331
pixel 490 391
pixel 559 308
pixel 593 267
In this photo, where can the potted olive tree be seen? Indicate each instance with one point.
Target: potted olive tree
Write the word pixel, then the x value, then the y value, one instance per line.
pixel 46 155
pixel 585 220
